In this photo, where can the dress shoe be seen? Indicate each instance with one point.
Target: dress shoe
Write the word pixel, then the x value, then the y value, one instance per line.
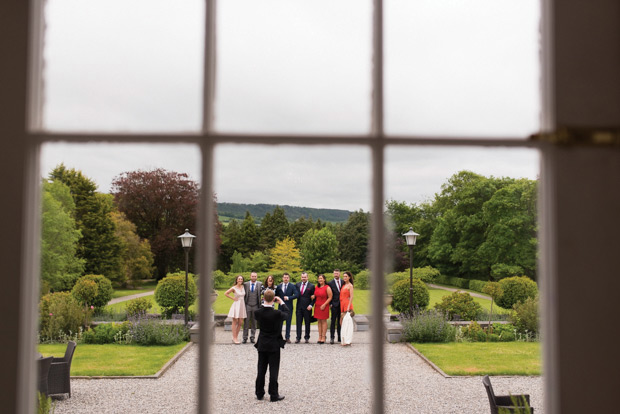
pixel 331 341
pixel 297 341
pixel 259 397
pixel 288 341
pixel 245 341
pixel 277 398
pixel 307 341
pixel 252 340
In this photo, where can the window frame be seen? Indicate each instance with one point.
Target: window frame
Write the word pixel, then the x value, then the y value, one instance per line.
pixel 208 139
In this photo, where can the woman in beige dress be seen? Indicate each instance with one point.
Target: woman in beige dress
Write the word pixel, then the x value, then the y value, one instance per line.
pixel 237 309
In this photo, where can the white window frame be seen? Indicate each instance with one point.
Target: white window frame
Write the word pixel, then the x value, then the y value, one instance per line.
pixel 207 139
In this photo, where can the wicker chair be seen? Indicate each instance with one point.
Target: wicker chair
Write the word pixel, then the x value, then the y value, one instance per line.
pixel 58 380
pixel 506 402
pixel 43 368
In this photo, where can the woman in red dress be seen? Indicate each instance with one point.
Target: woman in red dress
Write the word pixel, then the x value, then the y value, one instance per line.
pixel 322 296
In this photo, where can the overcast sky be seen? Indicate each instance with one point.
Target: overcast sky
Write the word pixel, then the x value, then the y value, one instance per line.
pixel 452 67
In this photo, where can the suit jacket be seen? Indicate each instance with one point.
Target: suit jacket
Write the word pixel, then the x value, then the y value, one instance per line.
pixel 257 291
pixel 305 299
pixel 270 320
pixel 291 292
pixel 335 303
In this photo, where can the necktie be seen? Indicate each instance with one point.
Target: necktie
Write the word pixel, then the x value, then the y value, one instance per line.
pixel 303 287
pixel 338 284
pixel 252 289
pixel 285 285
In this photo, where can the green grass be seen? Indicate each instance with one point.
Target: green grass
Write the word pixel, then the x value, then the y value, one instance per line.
pixel 484 358
pixel 113 359
pixel 121 306
pixel 147 287
pixel 437 294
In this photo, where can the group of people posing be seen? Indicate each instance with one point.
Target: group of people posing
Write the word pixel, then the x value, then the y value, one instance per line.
pixel 313 303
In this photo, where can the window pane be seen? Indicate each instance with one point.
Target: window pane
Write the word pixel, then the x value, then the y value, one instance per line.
pixel 462 68
pixel 123 65
pixel 294 66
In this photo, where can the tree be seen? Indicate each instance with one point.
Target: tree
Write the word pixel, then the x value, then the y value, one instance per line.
pixel 299 227
pixel 231 242
pixel 259 262
pixel 136 256
pixel 510 244
pixel 98 246
pixel 249 235
pixel 161 204
pixel 239 263
pixel 461 228
pixel 353 240
pixel 319 250
pixel 273 228
pixel 495 291
pixel 285 257
pixel 60 265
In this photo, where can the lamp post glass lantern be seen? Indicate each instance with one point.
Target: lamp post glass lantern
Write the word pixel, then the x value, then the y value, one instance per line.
pixel 410 238
pixel 186 242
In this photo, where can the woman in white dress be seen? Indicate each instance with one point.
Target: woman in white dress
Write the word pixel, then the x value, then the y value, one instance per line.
pixel 237 309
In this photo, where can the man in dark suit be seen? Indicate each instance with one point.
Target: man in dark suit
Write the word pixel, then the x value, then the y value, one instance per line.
pixel 334 305
pixel 304 306
pixel 252 303
pixel 269 343
pixel 288 293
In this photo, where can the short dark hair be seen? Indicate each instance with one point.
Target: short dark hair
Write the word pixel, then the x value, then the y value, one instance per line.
pixel 285 274
pixel 350 276
pixel 337 270
pixel 269 295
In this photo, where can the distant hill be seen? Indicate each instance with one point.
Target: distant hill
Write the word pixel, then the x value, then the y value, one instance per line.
pixel 228 211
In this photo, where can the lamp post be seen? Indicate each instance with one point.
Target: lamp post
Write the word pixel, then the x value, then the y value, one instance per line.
pixel 186 242
pixel 410 238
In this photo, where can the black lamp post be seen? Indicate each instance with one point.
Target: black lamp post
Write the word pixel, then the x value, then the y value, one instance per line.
pixel 186 242
pixel 410 238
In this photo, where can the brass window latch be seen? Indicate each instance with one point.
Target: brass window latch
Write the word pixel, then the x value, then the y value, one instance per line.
pixel 580 136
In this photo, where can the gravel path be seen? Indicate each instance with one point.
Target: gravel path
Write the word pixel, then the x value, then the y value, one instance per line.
pixel 309 374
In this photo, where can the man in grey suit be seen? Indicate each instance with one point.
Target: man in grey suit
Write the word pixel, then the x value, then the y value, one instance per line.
pixel 252 303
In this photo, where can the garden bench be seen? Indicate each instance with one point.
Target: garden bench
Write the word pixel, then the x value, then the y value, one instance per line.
pixel 506 402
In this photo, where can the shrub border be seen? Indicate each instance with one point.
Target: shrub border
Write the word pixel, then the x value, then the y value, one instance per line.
pixel 157 375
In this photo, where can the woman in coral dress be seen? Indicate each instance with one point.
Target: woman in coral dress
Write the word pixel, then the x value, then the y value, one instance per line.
pixel 346 306
pixel 322 296
pixel 237 309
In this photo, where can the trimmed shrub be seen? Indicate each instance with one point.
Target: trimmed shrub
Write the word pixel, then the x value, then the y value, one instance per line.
pixel 105 333
pixel 140 306
pixel 428 326
pixel 516 289
pixel 525 316
pixel 477 285
pixel 459 303
pixel 400 291
pixel 493 338
pixel 60 315
pixel 219 280
pixel 83 292
pixel 170 293
pixel 362 279
pixel 145 331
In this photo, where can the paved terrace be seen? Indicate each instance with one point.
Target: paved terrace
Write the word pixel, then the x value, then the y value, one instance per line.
pixel 313 378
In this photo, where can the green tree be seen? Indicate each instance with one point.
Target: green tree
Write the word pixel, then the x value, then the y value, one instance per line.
pixel 259 262
pixel 60 265
pixel 299 227
pixel 319 250
pixel 510 244
pixel 98 246
pixel 495 291
pixel 231 242
pixel 249 235
pixel 136 256
pixel 285 257
pixel 273 228
pixel 239 263
pixel 353 240
pixel 461 227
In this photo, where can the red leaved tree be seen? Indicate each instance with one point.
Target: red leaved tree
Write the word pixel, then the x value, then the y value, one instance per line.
pixel 162 204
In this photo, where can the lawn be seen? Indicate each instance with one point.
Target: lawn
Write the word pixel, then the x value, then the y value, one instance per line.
pixel 147 287
pixel 437 294
pixel 484 358
pixel 113 359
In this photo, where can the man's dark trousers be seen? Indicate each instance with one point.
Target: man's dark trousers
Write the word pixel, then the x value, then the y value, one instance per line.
pixel 271 359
